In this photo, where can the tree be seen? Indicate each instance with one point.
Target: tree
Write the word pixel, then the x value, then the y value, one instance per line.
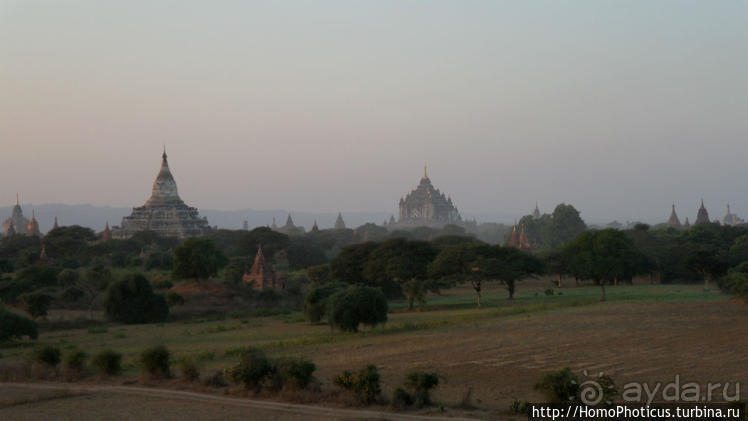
pixel 708 263
pixel 316 300
pixel 456 264
pixel 13 326
pixel 68 277
pixel 131 300
pixel 36 304
pixel 404 262
pixel 197 258
pixel 357 305
pixel 234 271
pixel 566 225
pixel 94 283
pixel 68 241
pixel 555 263
pixel 603 256
pixel 349 264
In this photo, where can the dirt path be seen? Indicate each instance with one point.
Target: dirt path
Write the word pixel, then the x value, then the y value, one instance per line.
pixel 106 395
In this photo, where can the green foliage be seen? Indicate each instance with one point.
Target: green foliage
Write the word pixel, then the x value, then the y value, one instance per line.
pixel 235 269
pixel 364 383
pixel 294 373
pixel 162 284
pixel 155 361
pixel 36 304
pixel 197 258
pixel 75 360
pixel 348 266
pixel 303 253
pixel 47 355
pixel 399 261
pixel 252 368
pixel 159 260
pixel 189 369
pixel 68 278
pixel 521 407
pixel 319 274
pixel 38 276
pixel 315 303
pixel 559 386
pixel 174 299
pixel 68 241
pixel 401 399
pixel 131 300
pixel 356 305
pixel 13 326
pixel 421 383
pixel 108 362
pixel 735 283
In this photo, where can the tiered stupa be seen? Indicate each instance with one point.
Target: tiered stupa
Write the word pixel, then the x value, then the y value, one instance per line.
pixel 428 206
pixel 673 221
pixel 17 223
pixel 702 217
pixel 164 213
pixel 262 276
pixel 339 223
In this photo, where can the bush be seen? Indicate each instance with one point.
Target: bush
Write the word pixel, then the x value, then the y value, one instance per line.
pixel 401 399
pixel 735 282
pixel 363 383
pixel 189 369
pixel 36 304
pixel 155 361
pixel 47 355
pixel 315 303
pixel 13 326
pixel 421 384
pixel 131 300
pixel 76 360
pixel 357 305
pixel 520 407
pixel 67 278
pixel 252 368
pixel 294 373
pixel 108 362
pixel 559 386
pixel 174 299
pixel 549 291
pixel 216 380
pixel 162 284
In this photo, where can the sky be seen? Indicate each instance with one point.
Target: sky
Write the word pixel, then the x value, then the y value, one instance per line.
pixel 620 108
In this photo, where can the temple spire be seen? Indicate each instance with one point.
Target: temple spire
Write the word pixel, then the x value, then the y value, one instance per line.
pixel 17 199
pixel 425 173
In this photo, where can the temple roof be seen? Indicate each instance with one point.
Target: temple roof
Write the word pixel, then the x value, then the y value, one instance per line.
pixel 339 223
pixel 673 221
pixel 702 217
pixel 164 187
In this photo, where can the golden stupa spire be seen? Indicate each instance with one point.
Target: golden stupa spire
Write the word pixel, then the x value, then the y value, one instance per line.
pixel 425 173
pixel 16 199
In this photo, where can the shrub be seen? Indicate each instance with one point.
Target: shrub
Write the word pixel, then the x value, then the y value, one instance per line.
pixel 520 407
pixel 357 305
pixel 162 284
pixel 216 380
pixel 68 277
pixel 155 361
pixel 363 383
pixel 189 369
pixel 47 355
pixel 174 299
pixel 735 282
pixel 13 326
pixel 72 294
pixel 401 399
pixel 252 368
pixel 559 386
pixel 131 300
pixel 295 373
pixel 108 362
pixel 315 303
pixel 36 304
pixel 549 291
pixel 421 384
pixel 76 360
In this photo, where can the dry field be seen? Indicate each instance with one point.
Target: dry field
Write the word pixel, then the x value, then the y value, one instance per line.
pixel 642 334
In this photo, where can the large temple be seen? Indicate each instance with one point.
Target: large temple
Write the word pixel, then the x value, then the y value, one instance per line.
pixel 164 213
pixel 426 205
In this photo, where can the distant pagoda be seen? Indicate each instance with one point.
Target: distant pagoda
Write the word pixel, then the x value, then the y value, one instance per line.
pixel 673 221
pixel 426 205
pixel 702 217
pixel 261 275
pixel 731 218
pixel 17 223
pixel 164 213
pixel 339 223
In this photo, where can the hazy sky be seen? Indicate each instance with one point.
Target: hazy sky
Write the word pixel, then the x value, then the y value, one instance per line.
pixel 619 107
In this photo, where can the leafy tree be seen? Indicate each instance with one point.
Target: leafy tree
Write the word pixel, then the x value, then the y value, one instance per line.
pixel 603 256
pixel 739 250
pixel 315 303
pixel 68 277
pixel 234 271
pixel 131 300
pixel 93 284
pixel 364 383
pixel 404 262
pixel 271 242
pixel 357 305
pixel 68 241
pixel 349 264
pixel 36 304
pixel 159 260
pixel 555 263
pixel 421 384
pixel 13 326
pixel 303 253
pixel 197 258
pixel 319 274
pixel 566 225
pixel 708 263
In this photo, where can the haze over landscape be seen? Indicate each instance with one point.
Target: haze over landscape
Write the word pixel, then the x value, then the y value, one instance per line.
pixel 620 108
